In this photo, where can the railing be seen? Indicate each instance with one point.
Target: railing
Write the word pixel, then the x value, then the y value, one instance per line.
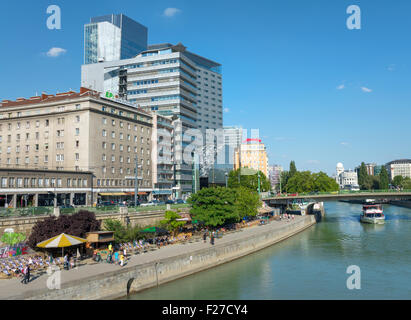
pixel 24 212
pixel 341 192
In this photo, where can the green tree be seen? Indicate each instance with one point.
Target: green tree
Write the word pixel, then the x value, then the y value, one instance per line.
pixel 248 178
pixel 301 182
pixel 406 183
pixel 214 206
pixel 120 231
pixel 293 169
pixel 398 181
pixel 170 221
pixel 362 176
pixel 324 183
pixel 12 238
pixel 384 179
pixel 247 203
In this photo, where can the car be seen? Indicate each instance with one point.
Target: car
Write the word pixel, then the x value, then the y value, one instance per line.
pixel 131 203
pixel 106 204
pixel 148 204
pixel 169 202
pixel 180 201
pixel 161 203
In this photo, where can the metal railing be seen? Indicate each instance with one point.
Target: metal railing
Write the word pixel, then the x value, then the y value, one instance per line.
pixel 341 192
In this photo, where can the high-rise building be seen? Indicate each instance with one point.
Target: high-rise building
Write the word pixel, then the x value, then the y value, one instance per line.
pixel 164 80
pixel 252 154
pixel 82 132
pixel 113 37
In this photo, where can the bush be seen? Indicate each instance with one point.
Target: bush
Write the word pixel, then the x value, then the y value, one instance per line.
pixel 76 225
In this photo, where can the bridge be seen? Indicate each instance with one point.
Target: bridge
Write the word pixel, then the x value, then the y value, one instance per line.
pixel 341 195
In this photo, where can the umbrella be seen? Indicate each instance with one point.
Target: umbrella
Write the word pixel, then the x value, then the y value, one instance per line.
pixel 156 230
pixel 61 241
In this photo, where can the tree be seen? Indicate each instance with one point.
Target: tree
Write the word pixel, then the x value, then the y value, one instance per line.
pixel 323 183
pixel 120 231
pixel 214 206
pixel 293 169
pixel 384 179
pixel 247 203
pixel 362 176
pixel 77 224
pixel 248 178
pixel 398 181
pixel 170 221
pixel 406 183
pixel 13 238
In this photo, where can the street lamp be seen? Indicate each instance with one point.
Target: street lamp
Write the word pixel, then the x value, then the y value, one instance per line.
pixel 226 180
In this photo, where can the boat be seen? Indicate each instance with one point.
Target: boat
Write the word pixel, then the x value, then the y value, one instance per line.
pixel 372 214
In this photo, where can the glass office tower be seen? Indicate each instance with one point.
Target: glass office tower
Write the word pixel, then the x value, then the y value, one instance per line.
pixel 113 37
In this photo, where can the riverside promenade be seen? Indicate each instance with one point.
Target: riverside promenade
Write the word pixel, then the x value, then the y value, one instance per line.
pixel 108 281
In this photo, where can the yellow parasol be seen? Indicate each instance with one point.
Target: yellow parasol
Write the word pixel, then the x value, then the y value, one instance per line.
pixel 61 241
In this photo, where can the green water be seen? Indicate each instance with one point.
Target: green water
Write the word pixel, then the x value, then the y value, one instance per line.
pixel 313 264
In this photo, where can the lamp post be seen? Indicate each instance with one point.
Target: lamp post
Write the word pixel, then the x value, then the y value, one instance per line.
pixel 226 180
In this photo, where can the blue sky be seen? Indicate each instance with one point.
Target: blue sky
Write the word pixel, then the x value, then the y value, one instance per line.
pixel 318 92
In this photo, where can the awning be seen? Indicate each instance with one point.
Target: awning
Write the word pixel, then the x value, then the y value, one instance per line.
pixel 140 193
pixel 113 194
pixel 264 210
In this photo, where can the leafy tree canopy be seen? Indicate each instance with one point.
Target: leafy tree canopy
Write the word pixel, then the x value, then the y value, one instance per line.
pixel 170 221
pixel 77 224
pixel 248 178
pixel 13 238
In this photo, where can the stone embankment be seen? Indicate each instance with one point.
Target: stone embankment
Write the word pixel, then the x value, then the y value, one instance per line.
pixel 106 281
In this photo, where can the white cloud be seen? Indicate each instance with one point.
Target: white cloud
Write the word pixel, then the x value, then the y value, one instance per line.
pixel 226 110
pixel 55 52
pixel 171 12
pixel 340 87
pixel 365 89
pixel 344 143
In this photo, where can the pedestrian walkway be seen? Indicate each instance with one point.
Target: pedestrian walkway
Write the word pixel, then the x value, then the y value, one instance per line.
pixel 13 287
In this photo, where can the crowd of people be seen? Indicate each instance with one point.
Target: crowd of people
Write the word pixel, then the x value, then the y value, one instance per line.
pixel 20 266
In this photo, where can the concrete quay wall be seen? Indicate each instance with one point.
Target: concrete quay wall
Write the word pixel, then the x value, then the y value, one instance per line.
pixel 111 285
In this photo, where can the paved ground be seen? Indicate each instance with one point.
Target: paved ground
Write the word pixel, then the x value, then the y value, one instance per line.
pixel 13 287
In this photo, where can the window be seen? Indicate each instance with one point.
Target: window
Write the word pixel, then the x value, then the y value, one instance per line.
pixel 36 159
pixel 113 134
pixel 77 131
pixel 27 160
pixel 113 146
pixel 77 118
pixel 77 156
pixel 77 143
pixel 46 158
pixel 11 182
pixel 104 121
pixel 78 106
pixel 37 135
pixel 113 158
pixel 103 157
pixel 104 145
pixel 47 123
pixel 37 123
pixel 58 182
pixel 104 133
pixel 113 122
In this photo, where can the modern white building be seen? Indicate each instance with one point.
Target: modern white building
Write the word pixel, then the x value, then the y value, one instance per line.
pixel 400 167
pixel 346 178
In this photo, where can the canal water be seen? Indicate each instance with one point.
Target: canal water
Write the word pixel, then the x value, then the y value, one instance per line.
pixel 312 264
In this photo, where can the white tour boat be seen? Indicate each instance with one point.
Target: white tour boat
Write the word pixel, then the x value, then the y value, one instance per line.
pixel 372 214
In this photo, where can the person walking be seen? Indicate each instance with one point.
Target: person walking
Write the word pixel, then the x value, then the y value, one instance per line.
pixel 23 275
pixel 116 257
pixel 212 238
pixel 27 274
pixel 121 260
pixel 66 265
pixel 205 236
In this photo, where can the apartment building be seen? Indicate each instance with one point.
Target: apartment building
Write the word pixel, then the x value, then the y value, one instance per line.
pixel 82 131
pixel 252 154
pixel 400 167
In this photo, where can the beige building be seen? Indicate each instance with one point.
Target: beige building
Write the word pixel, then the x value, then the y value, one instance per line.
pixel 80 132
pixel 252 154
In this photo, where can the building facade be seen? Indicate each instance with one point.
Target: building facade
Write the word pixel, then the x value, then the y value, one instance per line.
pixel 252 154
pixel 26 187
pixel 400 167
pixel 346 179
pixel 79 132
pixel 113 37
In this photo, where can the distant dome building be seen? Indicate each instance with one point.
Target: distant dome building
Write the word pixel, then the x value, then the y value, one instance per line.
pixel 346 179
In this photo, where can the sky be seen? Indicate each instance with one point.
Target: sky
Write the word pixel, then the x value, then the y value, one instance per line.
pixel 319 92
